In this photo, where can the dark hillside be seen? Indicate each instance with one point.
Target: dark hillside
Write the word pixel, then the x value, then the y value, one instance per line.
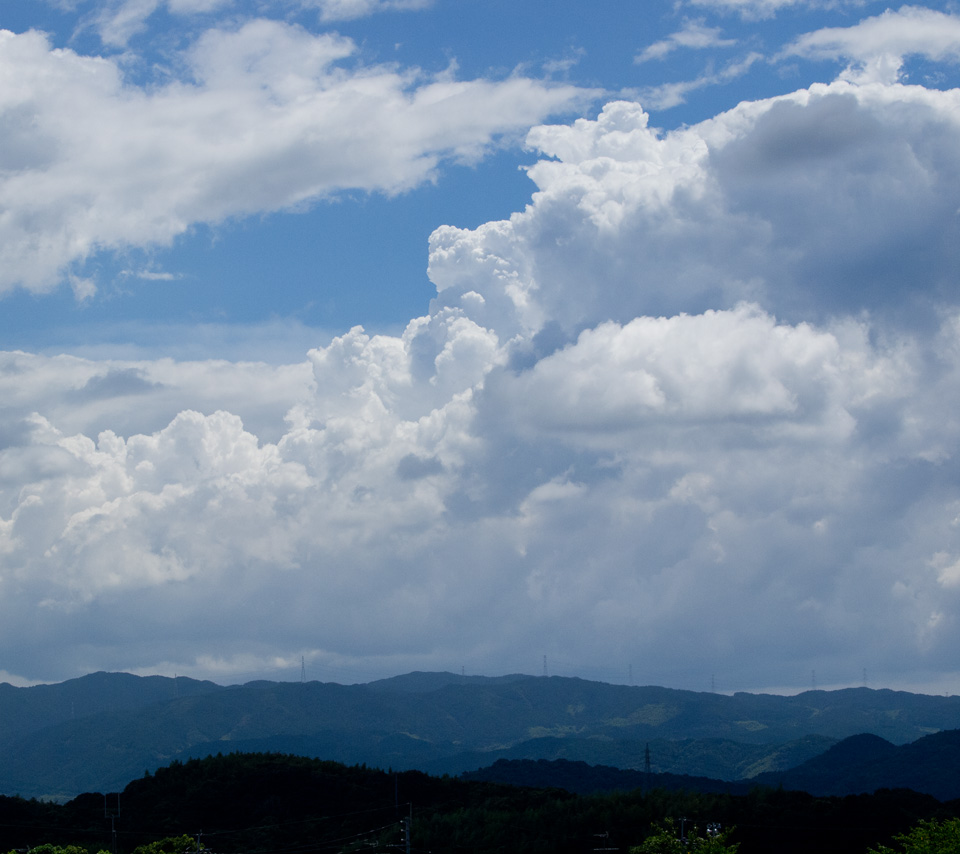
pixel 719 759
pixel 26 710
pixel 583 779
pixel 865 763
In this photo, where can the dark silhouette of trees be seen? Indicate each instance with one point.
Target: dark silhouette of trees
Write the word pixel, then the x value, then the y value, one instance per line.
pixel 260 803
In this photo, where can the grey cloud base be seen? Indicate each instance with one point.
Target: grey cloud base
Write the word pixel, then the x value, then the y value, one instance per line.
pixel 691 411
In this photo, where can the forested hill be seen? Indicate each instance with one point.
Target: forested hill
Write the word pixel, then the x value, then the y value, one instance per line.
pixel 865 763
pixel 103 730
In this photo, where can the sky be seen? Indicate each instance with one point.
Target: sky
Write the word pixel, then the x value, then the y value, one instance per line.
pixel 346 338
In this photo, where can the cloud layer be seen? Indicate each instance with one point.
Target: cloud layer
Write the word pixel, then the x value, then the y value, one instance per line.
pixel 690 411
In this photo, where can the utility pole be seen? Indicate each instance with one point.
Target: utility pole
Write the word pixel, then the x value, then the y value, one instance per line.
pixel 406 826
pixel 113 816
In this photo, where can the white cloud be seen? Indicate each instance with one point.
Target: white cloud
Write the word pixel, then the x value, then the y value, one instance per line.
pixel 151 275
pixel 877 46
pixel 765 203
pixel 341 10
pixel 695 34
pixel 768 8
pixel 117 22
pixel 669 95
pixel 701 387
pixel 267 117
pixel 142 396
pixel 719 366
pixel 948 569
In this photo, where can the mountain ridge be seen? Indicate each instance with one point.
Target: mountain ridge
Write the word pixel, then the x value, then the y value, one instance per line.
pixel 101 730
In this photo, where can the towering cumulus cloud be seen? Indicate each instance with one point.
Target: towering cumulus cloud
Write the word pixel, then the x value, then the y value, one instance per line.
pixel 692 409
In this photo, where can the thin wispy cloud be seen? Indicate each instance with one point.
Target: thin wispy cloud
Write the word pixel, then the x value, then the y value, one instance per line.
pixel 344 10
pixel 152 275
pixel 753 9
pixel 668 95
pixel 694 35
pixel 118 21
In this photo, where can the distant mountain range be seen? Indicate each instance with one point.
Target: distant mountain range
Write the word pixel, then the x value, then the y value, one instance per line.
pixel 99 732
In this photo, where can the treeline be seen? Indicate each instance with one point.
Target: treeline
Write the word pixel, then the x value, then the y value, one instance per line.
pixel 259 803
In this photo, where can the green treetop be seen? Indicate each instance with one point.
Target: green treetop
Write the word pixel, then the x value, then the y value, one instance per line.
pixel 666 839
pixel 928 837
pixel 171 845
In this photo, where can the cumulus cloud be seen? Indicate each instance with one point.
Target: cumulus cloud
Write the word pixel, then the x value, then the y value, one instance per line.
pixel 876 47
pixel 736 365
pixel 765 203
pixel 265 117
pixel 83 395
pixel 699 388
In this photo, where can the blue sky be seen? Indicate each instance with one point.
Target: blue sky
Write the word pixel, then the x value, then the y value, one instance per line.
pixel 427 335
